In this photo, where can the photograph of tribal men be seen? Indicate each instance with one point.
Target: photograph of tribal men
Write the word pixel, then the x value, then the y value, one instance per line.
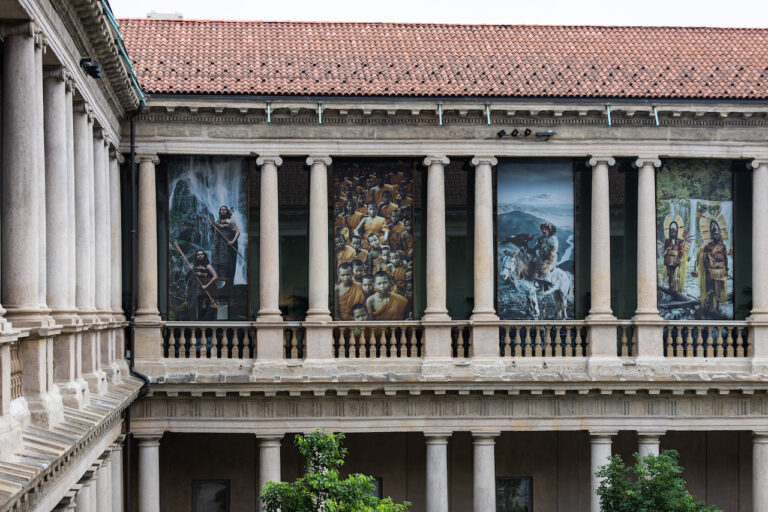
pixel 208 239
pixel 535 223
pixel 373 241
pixel 694 215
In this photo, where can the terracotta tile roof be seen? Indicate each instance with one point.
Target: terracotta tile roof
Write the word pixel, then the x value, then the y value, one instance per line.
pixel 387 59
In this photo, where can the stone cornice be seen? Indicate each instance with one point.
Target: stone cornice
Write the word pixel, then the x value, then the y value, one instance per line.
pixel 601 414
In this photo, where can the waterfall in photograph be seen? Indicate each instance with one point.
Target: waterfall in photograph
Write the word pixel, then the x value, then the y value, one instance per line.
pixel 207 201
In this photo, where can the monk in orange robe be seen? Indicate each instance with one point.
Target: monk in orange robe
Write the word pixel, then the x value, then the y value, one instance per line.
pixel 387 206
pixel 397 269
pixel 344 253
pixel 385 305
pixel 357 244
pixel 347 293
pixel 396 229
pixel 372 224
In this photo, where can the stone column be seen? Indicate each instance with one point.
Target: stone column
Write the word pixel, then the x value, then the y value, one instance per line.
pixel 38 122
pixel 270 336
pixel 149 473
pixel 319 337
pixel 485 338
pixel 60 242
pixel 84 261
pixel 117 475
pixel 71 209
pixel 758 318
pixel 484 471
pixel 83 499
pixel 600 443
pixel 104 485
pixel 436 342
pixel 760 471
pixel 148 340
pixel 269 460
pixel 101 215
pixel 649 335
pixel 437 471
pixel 648 443
pixel 116 259
pixel 19 202
pixel 602 328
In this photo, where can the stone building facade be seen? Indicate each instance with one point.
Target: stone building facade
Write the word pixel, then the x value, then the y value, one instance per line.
pixel 455 406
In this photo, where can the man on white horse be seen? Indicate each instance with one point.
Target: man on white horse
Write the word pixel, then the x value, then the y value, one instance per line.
pixel 544 255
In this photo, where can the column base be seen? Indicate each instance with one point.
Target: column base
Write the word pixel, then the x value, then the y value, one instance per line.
pixel 270 340
pixel 318 316
pixel 97 382
pixel 318 341
pixel 485 340
pixel 45 411
pixel 269 316
pixel 435 315
pixel 436 340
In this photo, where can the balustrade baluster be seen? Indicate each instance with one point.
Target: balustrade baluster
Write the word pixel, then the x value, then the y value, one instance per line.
pixel 547 341
pixel 688 342
pixel 558 341
pixel 460 343
pixel 669 342
pixel 294 343
pixel 719 343
pixel 528 350
pixel 729 342
pixel 699 343
pixel 507 349
pixel 413 350
pixel 579 347
pixel 624 347
pixel 739 343
pixel 710 341
pixel 679 342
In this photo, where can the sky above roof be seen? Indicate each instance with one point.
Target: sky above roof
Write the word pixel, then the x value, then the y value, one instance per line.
pixel 709 13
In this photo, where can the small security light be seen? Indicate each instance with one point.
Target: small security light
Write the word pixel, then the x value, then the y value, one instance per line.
pixel 546 134
pixel 501 133
pixel 515 133
pixel 527 132
pixel 91 67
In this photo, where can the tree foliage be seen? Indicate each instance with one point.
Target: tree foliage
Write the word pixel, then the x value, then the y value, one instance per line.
pixel 653 484
pixel 320 489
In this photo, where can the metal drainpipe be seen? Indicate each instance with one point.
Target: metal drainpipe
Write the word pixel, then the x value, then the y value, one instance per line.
pixel 127 448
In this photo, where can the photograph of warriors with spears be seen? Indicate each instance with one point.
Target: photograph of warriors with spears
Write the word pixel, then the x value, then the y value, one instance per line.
pixel 535 223
pixel 694 209
pixel 373 241
pixel 208 239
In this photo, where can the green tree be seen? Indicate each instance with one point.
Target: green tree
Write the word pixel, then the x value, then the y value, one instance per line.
pixel 320 489
pixel 653 484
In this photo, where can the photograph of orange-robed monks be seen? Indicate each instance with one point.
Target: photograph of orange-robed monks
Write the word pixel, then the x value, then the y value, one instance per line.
pixel 373 241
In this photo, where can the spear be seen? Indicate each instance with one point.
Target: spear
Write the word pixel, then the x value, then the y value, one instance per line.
pixel 213 302
pixel 222 234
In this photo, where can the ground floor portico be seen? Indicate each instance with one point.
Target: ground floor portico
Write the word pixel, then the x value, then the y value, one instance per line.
pixel 548 471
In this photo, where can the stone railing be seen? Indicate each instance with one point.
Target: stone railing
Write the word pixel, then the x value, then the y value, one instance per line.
pixel 707 339
pixel 206 340
pixel 17 369
pixel 543 339
pixel 377 339
pixel 409 339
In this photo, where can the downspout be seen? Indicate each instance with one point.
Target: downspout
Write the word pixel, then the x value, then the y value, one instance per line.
pixel 128 447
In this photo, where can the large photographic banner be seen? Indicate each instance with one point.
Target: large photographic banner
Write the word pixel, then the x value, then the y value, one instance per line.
pixel 208 238
pixel 535 223
pixel 694 230
pixel 373 241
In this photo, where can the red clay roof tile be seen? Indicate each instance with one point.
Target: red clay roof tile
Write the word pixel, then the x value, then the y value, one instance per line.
pixel 387 59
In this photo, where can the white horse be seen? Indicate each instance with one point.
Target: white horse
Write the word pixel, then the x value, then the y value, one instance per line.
pixel 516 269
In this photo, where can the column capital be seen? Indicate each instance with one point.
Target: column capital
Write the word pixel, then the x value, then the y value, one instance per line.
pixel 40 40
pixel 437 437
pixel 650 434
pixel 485 436
pixel 148 440
pixel 56 73
pixel 269 159
pixel 115 154
pixel 70 84
pixel 599 436
pixel 147 158
pixel 436 159
pixel 24 28
pixel 758 162
pixel 99 133
pixel 316 159
pixel 83 107
pixel 642 161
pixel 480 160
pixel 267 440
pixel 607 160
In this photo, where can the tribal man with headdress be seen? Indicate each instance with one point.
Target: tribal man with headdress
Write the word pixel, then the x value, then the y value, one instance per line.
pixel 224 245
pixel 675 257
pixel 712 261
